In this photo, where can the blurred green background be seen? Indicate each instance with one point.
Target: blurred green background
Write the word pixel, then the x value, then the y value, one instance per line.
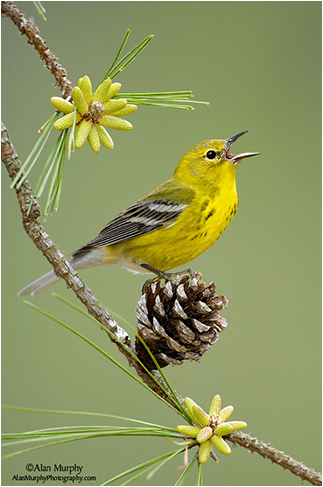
pixel 259 66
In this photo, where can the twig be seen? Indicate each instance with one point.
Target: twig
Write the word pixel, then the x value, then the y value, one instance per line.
pixel 55 257
pixel 276 456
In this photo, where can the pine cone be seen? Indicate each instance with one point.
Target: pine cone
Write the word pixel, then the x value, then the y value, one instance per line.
pixel 178 322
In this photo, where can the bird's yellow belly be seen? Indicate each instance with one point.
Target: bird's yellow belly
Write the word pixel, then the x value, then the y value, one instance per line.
pixel 176 244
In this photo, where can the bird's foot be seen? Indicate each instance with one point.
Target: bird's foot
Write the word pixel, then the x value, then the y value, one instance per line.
pixel 168 276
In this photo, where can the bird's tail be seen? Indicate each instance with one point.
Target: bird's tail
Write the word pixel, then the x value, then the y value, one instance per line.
pixel 40 284
pixel 80 261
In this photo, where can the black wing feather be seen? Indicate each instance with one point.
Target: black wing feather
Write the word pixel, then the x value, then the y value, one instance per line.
pixel 141 218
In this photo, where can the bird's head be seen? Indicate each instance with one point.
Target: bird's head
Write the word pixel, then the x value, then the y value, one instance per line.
pixel 211 160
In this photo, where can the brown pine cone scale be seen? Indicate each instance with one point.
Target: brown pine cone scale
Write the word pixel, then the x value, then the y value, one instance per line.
pixel 178 321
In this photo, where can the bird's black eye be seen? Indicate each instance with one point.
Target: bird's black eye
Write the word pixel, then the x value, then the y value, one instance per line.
pixel 211 154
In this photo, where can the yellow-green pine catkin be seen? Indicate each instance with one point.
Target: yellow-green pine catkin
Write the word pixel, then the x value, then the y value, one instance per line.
pixel 237 425
pixel 187 430
pixel 204 434
pixel 196 413
pixel 102 90
pixel 204 452
pixel 86 88
pixel 62 105
pixel 64 122
pixel 221 445
pixel 189 409
pixel 127 110
pixel 82 133
pixel 79 100
pixel 201 415
pixel 113 90
pixel 105 138
pixel 223 429
pixel 225 413
pixel 215 405
pixel 94 139
pixel 115 123
pixel 114 105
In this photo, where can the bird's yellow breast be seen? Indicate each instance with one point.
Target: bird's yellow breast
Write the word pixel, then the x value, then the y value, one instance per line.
pixel 194 231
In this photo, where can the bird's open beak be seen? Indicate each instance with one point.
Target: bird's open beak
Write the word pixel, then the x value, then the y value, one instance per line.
pixel 235 159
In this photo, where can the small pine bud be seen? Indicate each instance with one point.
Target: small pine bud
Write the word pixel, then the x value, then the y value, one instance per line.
pixel 79 83
pixel 127 110
pixel 201 416
pixel 189 403
pixel 204 453
pixel 221 445
pixel 64 122
pixel 225 413
pixel 187 430
pixel 204 434
pixel 79 100
pixel 115 123
pixel 105 138
pixel 82 133
pixel 86 88
pixel 113 90
pixel 223 429
pixel 62 105
pixel 94 139
pixel 215 405
pixel 189 409
pixel 102 90
pixel 114 105
pixel 237 425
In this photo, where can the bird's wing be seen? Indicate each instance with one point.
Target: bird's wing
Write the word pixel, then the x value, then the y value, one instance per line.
pixel 141 218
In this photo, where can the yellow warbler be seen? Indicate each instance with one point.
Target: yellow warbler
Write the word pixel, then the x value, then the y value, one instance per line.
pixel 174 223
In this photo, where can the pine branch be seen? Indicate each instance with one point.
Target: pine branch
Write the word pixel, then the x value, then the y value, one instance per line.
pixel 276 456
